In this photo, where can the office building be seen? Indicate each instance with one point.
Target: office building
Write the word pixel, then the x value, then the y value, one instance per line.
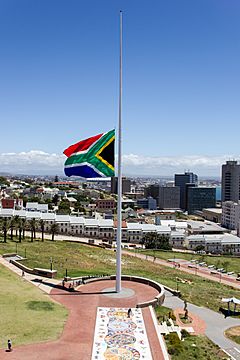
pixel 199 198
pixel 126 185
pixel 152 190
pixel 169 197
pixel 181 180
pixel 231 181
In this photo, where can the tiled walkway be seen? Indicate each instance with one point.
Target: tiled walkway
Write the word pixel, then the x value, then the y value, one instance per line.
pixel 117 335
pixel 76 341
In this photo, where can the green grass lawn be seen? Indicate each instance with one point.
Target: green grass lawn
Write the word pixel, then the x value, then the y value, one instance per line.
pixel 163 313
pixel 82 259
pixel 194 347
pixel 233 334
pixel 26 314
pixel 227 262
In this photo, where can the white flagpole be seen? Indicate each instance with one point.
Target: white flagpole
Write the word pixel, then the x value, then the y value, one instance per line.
pixel 119 203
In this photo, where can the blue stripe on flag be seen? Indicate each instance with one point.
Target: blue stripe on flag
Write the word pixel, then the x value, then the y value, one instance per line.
pixel 82 170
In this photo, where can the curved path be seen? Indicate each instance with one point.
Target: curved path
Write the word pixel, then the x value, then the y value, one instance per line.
pixel 77 337
pixel 216 324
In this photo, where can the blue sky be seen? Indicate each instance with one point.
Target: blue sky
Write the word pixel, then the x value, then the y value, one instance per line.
pixel 181 88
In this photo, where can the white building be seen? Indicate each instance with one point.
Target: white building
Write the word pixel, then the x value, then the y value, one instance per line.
pixel 35 206
pixel 106 229
pixel 230 214
pixel 204 228
pixel 177 239
pixel 215 244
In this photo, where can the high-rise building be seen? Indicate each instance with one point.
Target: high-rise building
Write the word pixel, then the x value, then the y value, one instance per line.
pixel 152 190
pixel 181 180
pixel 231 214
pixel 126 185
pixel 199 198
pixel 169 197
pixel 231 181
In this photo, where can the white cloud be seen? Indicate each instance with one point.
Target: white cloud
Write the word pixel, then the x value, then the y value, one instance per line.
pixel 32 162
pixel 40 162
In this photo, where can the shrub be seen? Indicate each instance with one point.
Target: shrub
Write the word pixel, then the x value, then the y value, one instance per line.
pixel 172 316
pixel 173 343
pixel 185 333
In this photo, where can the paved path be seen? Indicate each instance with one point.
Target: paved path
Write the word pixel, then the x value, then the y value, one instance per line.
pixel 33 279
pixel 216 324
pixel 224 279
pixel 77 337
pixel 117 332
pixel 197 324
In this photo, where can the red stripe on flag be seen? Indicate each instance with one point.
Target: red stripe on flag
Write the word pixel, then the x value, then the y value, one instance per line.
pixel 81 145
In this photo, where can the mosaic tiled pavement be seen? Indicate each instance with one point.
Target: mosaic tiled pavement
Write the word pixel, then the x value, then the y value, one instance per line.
pixel 119 337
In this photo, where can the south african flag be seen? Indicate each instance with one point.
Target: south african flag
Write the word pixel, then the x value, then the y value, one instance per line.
pixel 91 158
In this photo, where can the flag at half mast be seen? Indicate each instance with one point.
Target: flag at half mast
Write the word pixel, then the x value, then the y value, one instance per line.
pixel 92 157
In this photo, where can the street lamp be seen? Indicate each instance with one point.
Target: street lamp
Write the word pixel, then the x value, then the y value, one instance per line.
pixel 51 263
pixel 177 283
pixel 196 268
pixel 16 248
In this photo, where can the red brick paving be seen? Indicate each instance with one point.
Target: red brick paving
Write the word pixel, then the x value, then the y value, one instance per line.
pixel 78 334
pixel 198 325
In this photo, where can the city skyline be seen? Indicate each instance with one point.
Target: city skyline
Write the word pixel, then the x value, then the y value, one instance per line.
pixel 59 83
pixel 42 163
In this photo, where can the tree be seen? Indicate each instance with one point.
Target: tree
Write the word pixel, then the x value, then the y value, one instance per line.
pixel 16 222
pixel 56 179
pixel 11 226
pixel 199 248
pixel 42 224
pixel 4 228
pixel 32 225
pixel 20 229
pixel 156 241
pixel 225 265
pixel 53 230
pixel 24 225
pixel 4 181
pixel 149 240
pixel 55 199
pixel 64 207
pixel 79 207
